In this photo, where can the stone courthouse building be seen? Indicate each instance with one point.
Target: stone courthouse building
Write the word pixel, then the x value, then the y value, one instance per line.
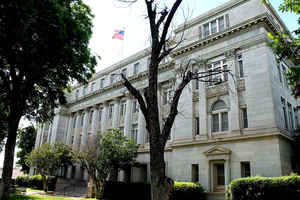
pixel 240 127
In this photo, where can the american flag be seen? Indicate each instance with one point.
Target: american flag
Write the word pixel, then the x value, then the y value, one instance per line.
pixel 119 34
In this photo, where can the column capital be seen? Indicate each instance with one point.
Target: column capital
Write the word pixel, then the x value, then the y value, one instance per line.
pixel 230 54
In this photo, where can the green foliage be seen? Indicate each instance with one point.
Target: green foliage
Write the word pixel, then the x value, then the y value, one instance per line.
pixel 103 155
pixel 261 188
pixel 137 191
pixel 35 182
pixel 48 158
pixel 287 47
pixel 26 139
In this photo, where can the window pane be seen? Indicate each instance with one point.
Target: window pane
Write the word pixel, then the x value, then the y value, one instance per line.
pixel 213 26
pixel 241 68
pixel 220 175
pixel 221 23
pixel 245 169
pixel 195 173
pixel 206 30
pixel 219 105
pixel 215 123
pixel 245 118
pixel 224 116
pixel 197 125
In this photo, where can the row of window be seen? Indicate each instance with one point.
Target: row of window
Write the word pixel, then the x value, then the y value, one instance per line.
pixel 289 115
pixel 219 120
pixel 219 172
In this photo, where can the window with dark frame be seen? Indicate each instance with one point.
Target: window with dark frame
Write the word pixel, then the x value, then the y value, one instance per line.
pixel 195 173
pixel 284 112
pixel 197 128
pixel 240 65
pixel 245 118
pixel 91 117
pixel 102 83
pixel 245 169
pixel 136 68
pixel 110 111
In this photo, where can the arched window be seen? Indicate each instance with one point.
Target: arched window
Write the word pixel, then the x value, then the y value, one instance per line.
pixel 219 117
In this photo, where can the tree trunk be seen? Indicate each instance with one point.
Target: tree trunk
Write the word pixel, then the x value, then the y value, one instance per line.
pixel 44 179
pixel 99 189
pixel 13 123
pixel 113 176
pixel 160 184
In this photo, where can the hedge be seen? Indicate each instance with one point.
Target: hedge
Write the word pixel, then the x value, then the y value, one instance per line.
pixel 138 191
pixel 260 188
pixel 36 182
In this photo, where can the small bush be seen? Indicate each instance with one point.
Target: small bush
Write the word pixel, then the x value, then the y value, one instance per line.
pixel 138 191
pixel 36 182
pixel 260 188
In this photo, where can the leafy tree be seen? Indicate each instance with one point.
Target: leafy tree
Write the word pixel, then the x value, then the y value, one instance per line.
pixel 47 159
pixel 104 158
pixel 26 140
pixel 44 46
pixel 288 47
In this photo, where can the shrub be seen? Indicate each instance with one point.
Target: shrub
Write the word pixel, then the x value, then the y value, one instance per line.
pixel 138 191
pixel 36 182
pixel 260 188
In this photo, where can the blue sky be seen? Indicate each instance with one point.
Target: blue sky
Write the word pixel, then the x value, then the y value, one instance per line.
pixel 110 15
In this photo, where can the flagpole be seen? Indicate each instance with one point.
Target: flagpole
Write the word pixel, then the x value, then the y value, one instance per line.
pixel 122 47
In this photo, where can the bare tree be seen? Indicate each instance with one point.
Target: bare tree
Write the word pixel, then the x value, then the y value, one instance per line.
pixel 160 21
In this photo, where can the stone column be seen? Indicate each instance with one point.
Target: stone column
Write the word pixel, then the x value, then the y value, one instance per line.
pixel 49 132
pixel 141 128
pixel 116 114
pixel 203 114
pixel 38 137
pixel 94 122
pixel 77 131
pixel 227 172
pixel 234 113
pixel 128 116
pixel 84 131
pixel 42 134
pixel 104 117
pixel 70 129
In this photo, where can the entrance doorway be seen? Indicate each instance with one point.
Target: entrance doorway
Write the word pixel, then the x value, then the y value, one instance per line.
pixel 218 176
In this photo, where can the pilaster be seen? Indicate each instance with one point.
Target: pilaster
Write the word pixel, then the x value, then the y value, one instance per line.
pixel 116 115
pixel 70 129
pixel 234 113
pixel 77 131
pixel 203 114
pixel 84 131
pixel 94 122
pixel 128 116
pixel 104 117
pixel 141 128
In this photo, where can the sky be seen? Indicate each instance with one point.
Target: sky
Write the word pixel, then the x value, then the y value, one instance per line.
pixel 110 15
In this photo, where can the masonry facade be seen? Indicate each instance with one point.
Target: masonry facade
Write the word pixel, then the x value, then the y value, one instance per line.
pixel 241 127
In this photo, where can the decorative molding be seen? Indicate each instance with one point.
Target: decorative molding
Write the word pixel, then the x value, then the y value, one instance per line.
pixel 217 150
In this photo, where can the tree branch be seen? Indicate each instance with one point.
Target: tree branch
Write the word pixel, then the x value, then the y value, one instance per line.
pixel 136 94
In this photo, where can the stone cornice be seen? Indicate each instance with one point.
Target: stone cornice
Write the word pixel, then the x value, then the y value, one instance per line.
pixel 209 14
pixel 119 84
pixel 264 18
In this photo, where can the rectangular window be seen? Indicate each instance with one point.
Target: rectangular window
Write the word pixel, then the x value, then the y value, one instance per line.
pixel 296 118
pixel 124 72
pixel 77 94
pixel 291 116
pixel 83 90
pixel 110 111
pixel 240 64
pixel 213 26
pixel 92 87
pixel 206 30
pixel 147 139
pixel 136 68
pixel 224 117
pixel 215 123
pixel 195 173
pixel 102 83
pixel 245 118
pixel 219 77
pixel 221 24
pixel 100 114
pixel 197 126
pixel 134 133
pixel 82 119
pixel 245 169
pixel 220 174
pixel 112 79
pixel 91 117
pixel 74 122
pixel 123 109
pixel 284 112
pixel 196 81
